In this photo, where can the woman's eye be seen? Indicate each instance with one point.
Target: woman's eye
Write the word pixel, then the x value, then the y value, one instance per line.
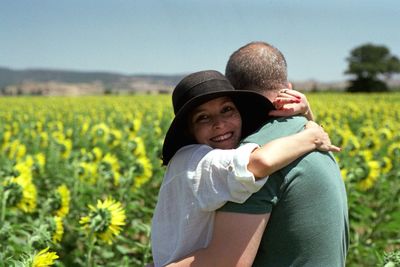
pixel 228 109
pixel 201 118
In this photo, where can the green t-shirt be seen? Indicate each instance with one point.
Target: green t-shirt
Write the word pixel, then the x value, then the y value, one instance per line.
pixel 307 200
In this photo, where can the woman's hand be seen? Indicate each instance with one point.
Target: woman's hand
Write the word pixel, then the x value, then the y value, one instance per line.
pixel 322 140
pixel 290 102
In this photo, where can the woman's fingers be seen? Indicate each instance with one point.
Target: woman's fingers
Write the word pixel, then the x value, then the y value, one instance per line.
pixel 292 101
pixel 290 93
pixel 311 124
pixel 286 100
pixel 325 145
pixel 334 148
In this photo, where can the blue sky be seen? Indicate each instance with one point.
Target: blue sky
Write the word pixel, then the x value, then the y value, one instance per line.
pixel 182 36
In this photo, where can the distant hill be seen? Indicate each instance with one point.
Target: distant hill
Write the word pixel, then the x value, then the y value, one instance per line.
pixel 40 81
pixel 9 76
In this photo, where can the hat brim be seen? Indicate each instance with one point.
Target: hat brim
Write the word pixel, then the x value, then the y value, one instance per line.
pixel 253 108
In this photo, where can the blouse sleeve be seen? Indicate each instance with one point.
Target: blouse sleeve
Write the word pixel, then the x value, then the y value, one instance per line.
pixel 216 176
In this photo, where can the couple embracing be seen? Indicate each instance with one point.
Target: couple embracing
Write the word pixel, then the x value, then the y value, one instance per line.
pixel 250 178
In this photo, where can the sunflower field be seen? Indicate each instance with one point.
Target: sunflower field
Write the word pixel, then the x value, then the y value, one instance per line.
pixel 79 176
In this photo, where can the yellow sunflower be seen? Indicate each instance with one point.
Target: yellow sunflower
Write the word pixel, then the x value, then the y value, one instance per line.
pixel 85 127
pixel 100 132
pixel 44 139
pixel 63 142
pixel 385 133
pixel 140 149
pixel 64 198
pixel 21 193
pixel 134 123
pixel 110 164
pixel 15 150
pixel 7 136
pixel 386 165
pixel 114 138
pixel 87 172
pixel 97 153
pixel 58 229
pixel 394 150
pixel 24 169
pixel 373 175
pixel 145 171
pixel 40 160
pixel 65 147
pixel 105 220
pixel 44 258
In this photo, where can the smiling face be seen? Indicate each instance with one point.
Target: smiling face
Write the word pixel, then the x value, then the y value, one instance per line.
pixel 216 123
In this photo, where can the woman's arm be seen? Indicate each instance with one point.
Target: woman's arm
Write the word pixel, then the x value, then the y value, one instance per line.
pixel 233 175
pixel 281 152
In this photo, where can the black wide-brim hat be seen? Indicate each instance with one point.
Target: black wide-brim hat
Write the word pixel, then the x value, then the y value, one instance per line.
pixel 200 87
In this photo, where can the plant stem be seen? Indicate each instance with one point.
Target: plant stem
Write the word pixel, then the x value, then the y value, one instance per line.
pixel 90 249
pixel 3 207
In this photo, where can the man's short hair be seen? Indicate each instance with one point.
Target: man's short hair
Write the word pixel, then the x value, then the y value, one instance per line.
pixel 257 66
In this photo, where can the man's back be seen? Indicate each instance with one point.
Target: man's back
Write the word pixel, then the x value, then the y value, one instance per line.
pixel 309 221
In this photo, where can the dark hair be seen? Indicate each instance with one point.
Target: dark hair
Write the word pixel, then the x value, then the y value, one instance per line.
pixel 257 66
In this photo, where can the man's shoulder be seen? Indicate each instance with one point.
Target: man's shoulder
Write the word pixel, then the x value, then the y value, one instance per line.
pixel 286 121
pixel 275 128
pixel 323 161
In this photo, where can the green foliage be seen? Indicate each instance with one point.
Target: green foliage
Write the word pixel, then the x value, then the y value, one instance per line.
pixel 367 85
pixel 369 63
pixel 392 259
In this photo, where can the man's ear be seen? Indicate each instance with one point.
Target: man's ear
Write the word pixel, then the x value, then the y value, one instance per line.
pixel 290 85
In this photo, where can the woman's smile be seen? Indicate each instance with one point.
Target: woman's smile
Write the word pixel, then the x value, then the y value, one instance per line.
pixel 216 123
pixel 223 137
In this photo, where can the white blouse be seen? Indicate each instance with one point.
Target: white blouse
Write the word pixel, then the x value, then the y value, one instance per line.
pixel 198 180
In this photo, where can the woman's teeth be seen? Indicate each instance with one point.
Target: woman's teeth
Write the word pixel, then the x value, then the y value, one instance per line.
pixel 221 138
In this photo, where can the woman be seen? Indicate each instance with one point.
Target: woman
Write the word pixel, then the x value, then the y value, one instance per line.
pixel 205 169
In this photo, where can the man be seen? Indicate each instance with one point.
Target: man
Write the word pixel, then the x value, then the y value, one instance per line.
pixel 300 216
pixel 307 202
